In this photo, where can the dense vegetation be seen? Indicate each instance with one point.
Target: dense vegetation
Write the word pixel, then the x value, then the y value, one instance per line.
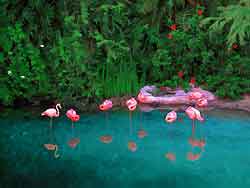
pixel 90 49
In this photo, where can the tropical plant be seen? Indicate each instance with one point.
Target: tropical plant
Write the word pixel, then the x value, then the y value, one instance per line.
pixel 235 20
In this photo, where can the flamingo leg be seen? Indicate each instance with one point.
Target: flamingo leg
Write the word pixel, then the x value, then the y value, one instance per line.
pixel 50 123
pixel 106 119
pixel 130 123
pixel 140 119
pixel 193 127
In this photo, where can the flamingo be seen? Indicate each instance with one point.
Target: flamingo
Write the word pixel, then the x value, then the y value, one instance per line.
pixel 202 102
pixel 195 95
pixel 194 114
pixel 131 104
pixel 52 112
pixel 105 106
pixel 171 117
pixel 73 116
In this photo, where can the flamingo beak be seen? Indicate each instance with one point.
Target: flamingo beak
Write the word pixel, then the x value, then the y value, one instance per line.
pixel 101 107
pixel 132 108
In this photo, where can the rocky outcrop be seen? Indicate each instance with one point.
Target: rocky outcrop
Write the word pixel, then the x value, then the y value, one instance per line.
pixel 179 100
pixel 173 97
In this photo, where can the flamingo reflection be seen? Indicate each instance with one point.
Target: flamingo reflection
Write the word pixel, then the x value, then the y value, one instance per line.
pixel 141 133
pixel 170 156
pixel 195 143
pixel 52 147
pixel 105 106
pixel 131 104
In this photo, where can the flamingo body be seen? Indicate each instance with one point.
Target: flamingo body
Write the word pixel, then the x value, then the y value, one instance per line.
pixel 106 105
pixel 193 113
pixel 72 115
pixel 171 117
pixel 131 104
pixel 195 95
pixel 202 102
pixel 51 112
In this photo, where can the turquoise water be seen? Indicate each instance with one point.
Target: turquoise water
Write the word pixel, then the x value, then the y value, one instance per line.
pixel 225 161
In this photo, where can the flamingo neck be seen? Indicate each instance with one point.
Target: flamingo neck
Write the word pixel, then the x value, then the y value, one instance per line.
pixel 57 110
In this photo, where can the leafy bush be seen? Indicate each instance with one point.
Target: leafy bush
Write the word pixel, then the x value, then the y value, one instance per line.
pixel 88 50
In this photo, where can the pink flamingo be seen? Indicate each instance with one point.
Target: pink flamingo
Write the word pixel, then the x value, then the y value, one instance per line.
pixel 171 117
pixel 131 104
pixel 73 116
pixel 105 106
pixel 195 95
pixel 194 114
pixel 52 112
pixel 202 102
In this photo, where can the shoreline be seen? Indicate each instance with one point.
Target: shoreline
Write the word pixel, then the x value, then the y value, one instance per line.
pixel 119 103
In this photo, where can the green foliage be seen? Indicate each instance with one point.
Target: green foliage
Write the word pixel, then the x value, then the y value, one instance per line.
pixel 90 49
pixel 235 19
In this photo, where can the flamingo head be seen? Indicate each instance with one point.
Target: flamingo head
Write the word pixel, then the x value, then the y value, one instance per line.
pixel 131 104
pixel 59 105
pixel 106 105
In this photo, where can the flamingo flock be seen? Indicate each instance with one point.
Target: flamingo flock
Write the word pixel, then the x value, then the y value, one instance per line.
pixel 131 104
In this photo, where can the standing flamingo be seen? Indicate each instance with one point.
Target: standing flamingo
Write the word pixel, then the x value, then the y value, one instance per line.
pixel 52 112
pixel 171 117
pixel 73 116
pixel 194 114
pixel 105 106
pixel 131 104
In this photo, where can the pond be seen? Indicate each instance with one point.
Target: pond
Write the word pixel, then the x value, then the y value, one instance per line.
pixel 85 160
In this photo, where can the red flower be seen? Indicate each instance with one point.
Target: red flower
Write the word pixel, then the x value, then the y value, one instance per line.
pixel 169 36
pixel 200 12
pixel 192 80
pixel 235 46
pixel 173 27
pixel 180 74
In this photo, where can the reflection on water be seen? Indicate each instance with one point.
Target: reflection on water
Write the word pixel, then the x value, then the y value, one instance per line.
pixel 202 155
pixel 106 139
